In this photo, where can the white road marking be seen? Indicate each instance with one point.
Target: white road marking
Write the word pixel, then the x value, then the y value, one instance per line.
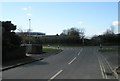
pixel 72 61
pixel 104 71
pixel 79 52
pixel 55 75
pixel 101 68
pixel 116 75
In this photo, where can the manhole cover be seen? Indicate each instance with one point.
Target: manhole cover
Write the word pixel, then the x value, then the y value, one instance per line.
pixel 109 73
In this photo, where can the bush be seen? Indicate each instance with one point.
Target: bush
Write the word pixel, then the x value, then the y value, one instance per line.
pixel 15 54
pixel 10 41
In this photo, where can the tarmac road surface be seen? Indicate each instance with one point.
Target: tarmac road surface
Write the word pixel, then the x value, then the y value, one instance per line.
pixel 71 63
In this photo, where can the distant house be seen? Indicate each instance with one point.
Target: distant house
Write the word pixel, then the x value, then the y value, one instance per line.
pixel 49 36
pixel 34 34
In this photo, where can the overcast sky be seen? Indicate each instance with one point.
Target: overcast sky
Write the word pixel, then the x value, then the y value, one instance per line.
pixel 53 17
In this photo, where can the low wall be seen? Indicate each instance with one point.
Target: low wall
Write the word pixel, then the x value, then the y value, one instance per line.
pixel 34 49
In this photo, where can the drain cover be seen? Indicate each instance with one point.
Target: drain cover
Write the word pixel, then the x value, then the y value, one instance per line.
pixel 109 73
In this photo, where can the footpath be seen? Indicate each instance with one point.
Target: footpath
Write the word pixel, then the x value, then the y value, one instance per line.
pixel 29 59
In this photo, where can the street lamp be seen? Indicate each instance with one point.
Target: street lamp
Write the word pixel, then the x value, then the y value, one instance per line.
pixel 29 29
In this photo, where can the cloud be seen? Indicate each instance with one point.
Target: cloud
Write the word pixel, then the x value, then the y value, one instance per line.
pixel 26 8
pixel 116 23
pixel 29 14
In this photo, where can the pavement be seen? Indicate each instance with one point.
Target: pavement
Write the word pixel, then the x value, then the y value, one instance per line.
pixel 28 59
pixel 112 60
pixel 71 63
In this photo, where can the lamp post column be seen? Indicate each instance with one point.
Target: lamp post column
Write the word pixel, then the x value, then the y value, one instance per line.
pixel 29 29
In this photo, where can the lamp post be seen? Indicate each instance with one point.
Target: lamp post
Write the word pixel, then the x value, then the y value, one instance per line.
pixel 29 29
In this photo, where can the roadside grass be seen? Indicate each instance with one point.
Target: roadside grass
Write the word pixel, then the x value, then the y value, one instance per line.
pixel 56 46
pixel 51 50
pixel 108 49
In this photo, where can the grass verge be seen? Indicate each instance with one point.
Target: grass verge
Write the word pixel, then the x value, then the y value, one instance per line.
pixel 108 49
pixel 51 50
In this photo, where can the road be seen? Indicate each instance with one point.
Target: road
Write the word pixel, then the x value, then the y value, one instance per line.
pixel 71 63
